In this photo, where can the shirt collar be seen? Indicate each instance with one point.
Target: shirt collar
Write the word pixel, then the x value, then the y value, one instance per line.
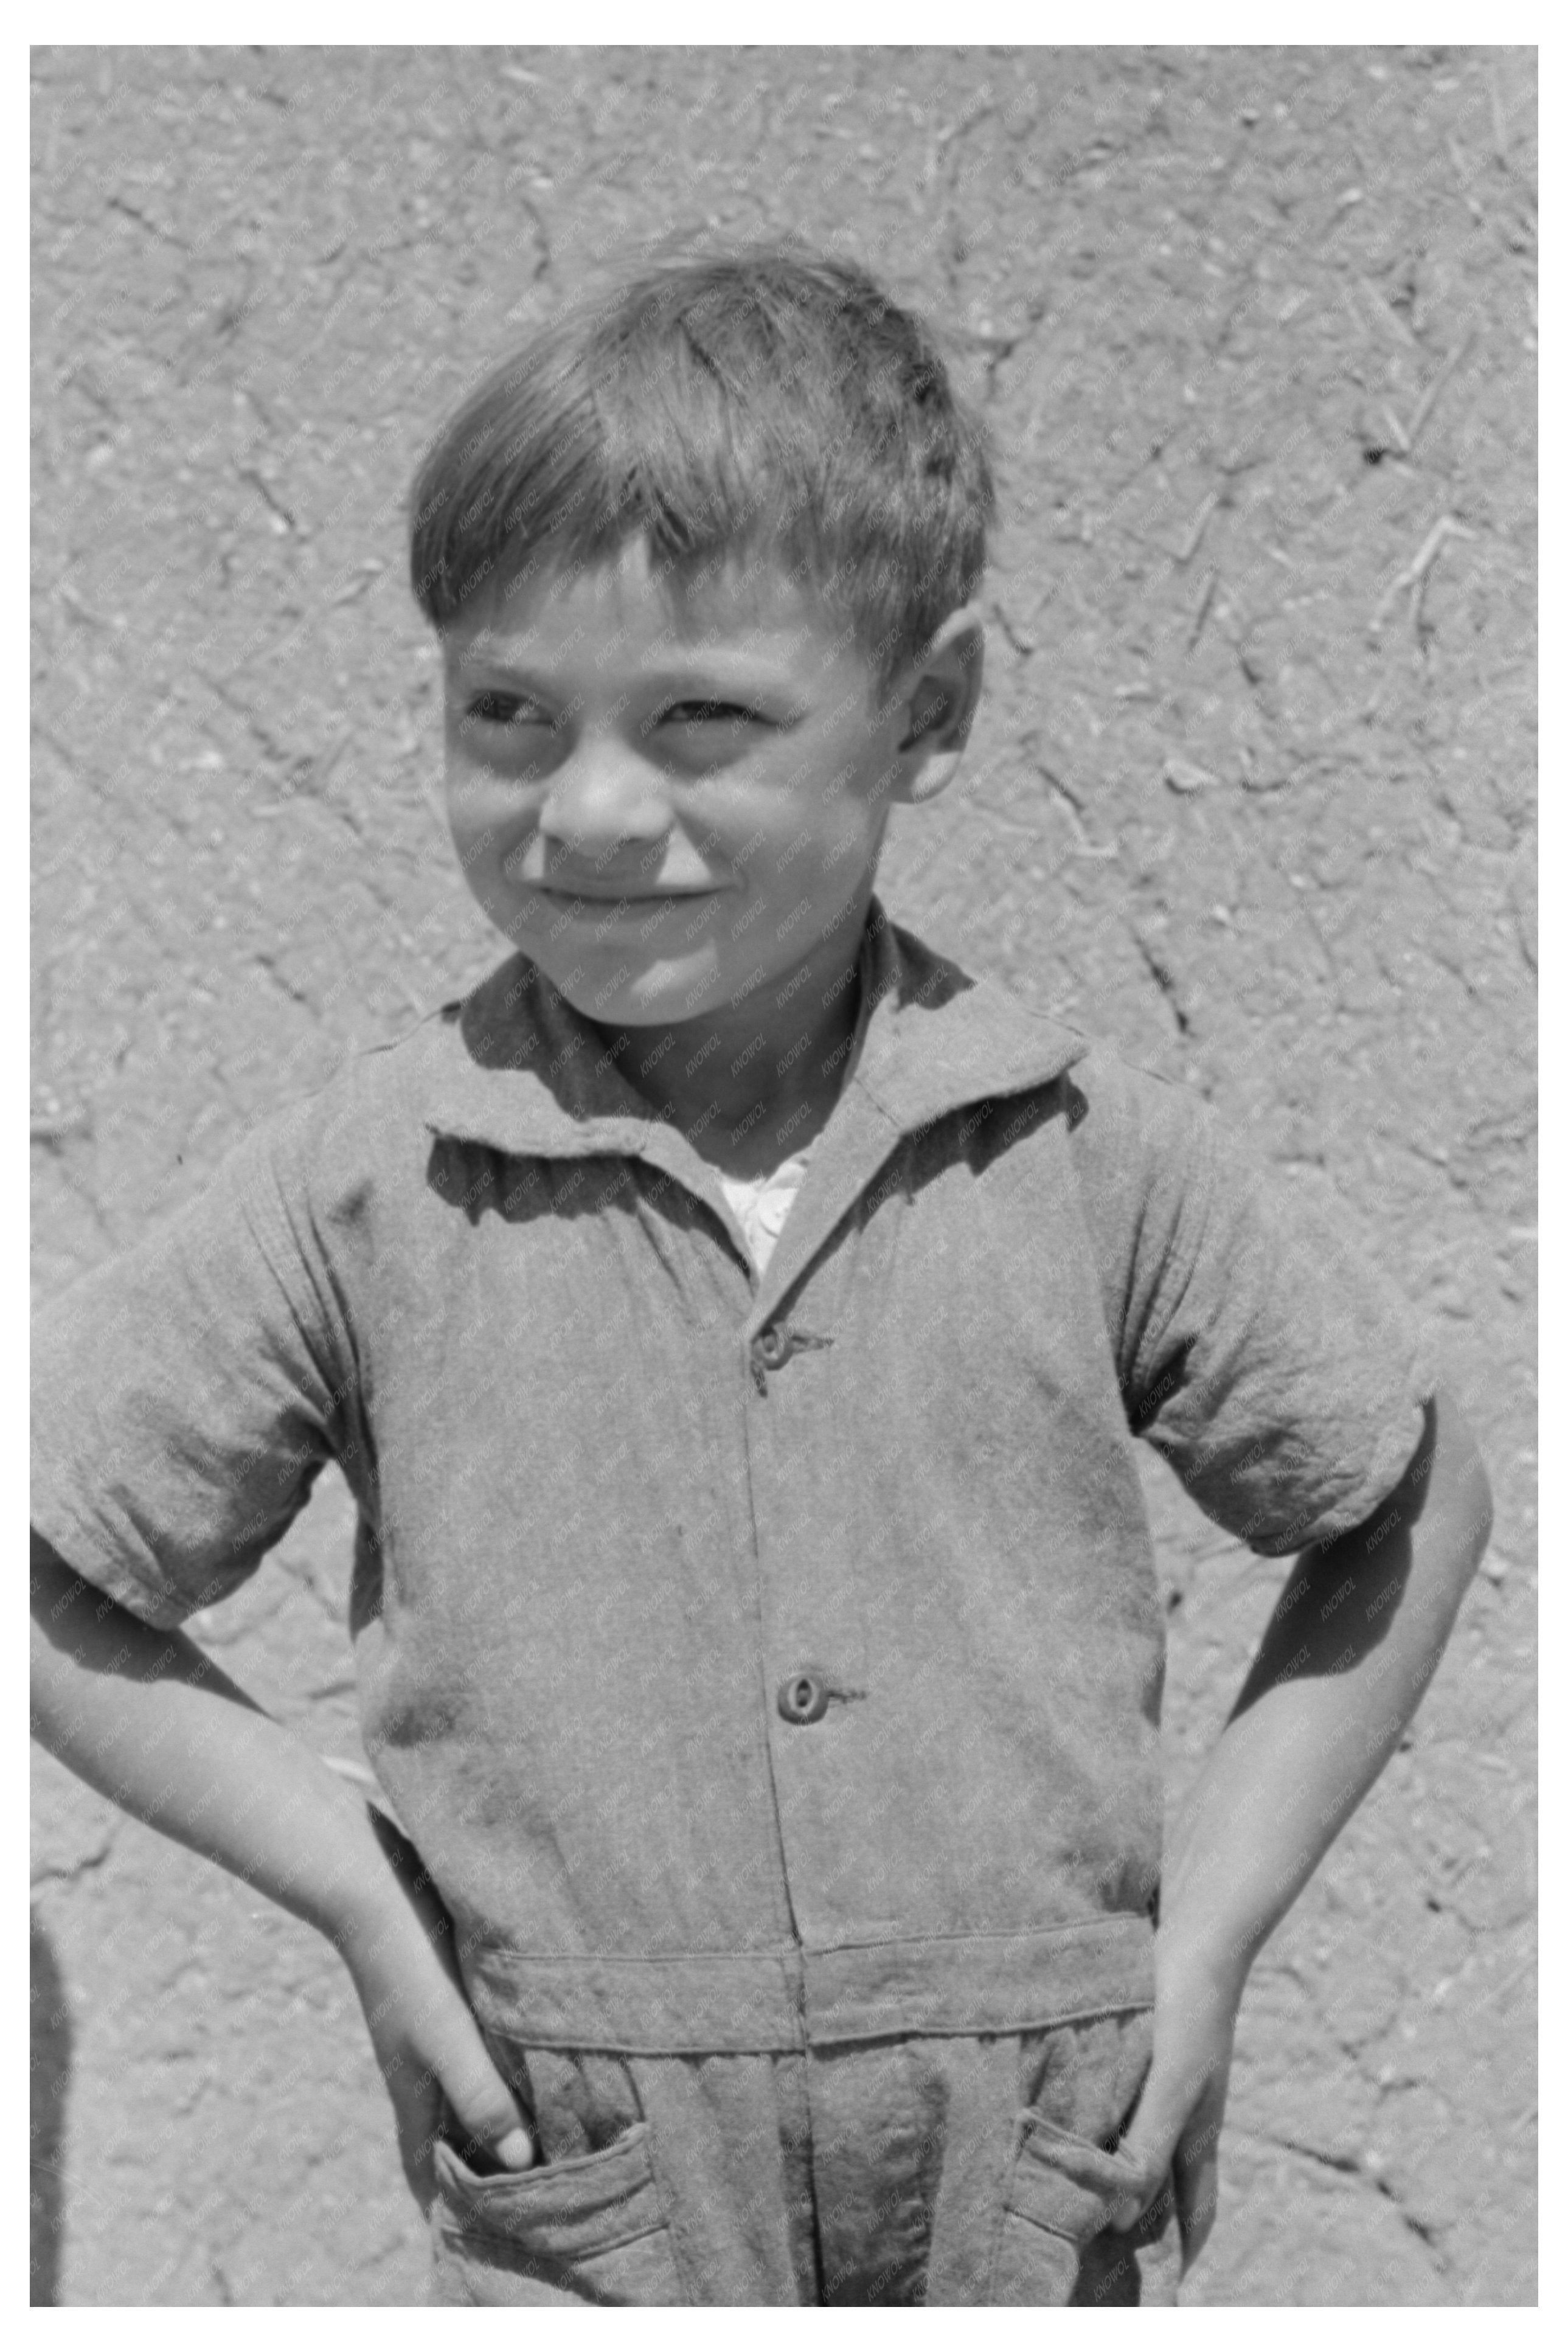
pixel 517 1068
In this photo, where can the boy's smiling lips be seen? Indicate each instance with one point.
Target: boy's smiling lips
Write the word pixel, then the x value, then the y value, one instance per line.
pixel 571 893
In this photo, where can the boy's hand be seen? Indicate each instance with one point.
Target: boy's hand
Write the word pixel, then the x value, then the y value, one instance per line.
pixel 426 2041
pixel 1175 2126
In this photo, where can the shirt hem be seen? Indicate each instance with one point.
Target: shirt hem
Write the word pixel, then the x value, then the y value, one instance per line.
pixel 83 1551
pixel 1395 1450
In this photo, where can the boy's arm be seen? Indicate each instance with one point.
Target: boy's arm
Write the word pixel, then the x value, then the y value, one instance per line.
pixel 1351 1646
pixel 150 1722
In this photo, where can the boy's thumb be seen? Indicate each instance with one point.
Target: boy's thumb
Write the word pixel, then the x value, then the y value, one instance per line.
pixel 488 2114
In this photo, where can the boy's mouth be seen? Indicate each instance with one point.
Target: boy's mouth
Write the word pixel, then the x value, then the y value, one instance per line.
pixel 638 901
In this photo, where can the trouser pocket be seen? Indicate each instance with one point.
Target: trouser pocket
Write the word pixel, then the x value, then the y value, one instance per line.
pixel 1055 2243
pixel 591 2229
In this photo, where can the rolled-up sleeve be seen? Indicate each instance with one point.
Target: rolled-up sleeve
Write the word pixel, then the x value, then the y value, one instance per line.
pixel 185 1394
pixel 1267 1359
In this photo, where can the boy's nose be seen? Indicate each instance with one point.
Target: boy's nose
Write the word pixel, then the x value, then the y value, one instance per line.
pixel 601 797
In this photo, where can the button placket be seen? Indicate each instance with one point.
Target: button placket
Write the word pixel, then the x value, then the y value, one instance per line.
pixel 810 1616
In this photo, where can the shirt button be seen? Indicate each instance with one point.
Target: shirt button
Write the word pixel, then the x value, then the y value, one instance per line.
pixel 772 1348
pixel 803 1697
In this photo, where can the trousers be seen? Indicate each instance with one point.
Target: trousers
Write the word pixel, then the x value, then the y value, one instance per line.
pixel 952 2169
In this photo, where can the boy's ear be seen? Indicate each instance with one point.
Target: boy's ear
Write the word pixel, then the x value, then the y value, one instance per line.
pixel 940 696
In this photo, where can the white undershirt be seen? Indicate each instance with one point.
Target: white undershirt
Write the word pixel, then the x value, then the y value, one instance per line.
pixel 762 1203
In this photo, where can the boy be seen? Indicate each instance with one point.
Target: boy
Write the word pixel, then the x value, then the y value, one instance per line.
pixel 733 1323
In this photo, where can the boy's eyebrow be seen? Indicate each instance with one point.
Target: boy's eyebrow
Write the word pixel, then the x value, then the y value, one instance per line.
pixel 741 672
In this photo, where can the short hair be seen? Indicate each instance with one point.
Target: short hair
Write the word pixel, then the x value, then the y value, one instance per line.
pixel 762 404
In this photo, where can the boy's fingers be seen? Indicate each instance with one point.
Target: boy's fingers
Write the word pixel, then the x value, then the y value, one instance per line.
pixel 1197 2199
pixel 1148 2146
pixel 1197 2166
pixel 485 2111
pixel 1130 2210
pixel 417 2112
pixel 1134 2203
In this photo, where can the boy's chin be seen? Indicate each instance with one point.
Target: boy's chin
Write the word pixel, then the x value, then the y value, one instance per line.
pixel 616 991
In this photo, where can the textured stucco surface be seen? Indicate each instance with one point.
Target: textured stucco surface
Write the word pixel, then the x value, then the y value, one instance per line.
pixel 1244 799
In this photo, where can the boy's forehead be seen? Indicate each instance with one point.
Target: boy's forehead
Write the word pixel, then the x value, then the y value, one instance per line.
pixel 739 607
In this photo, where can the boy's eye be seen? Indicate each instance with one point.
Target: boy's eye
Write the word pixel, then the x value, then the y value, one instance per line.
pixel 496 709
pixel 702 714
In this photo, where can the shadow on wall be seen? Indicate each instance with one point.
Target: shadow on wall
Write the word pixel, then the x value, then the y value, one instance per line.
pixel 48 2075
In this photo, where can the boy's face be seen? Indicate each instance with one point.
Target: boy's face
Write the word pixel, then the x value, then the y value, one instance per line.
pixel 668 800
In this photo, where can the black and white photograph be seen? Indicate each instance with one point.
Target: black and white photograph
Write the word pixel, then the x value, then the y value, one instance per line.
pixel 783 1130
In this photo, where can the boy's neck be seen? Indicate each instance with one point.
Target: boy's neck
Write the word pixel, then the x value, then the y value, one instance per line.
pixel 751 1084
